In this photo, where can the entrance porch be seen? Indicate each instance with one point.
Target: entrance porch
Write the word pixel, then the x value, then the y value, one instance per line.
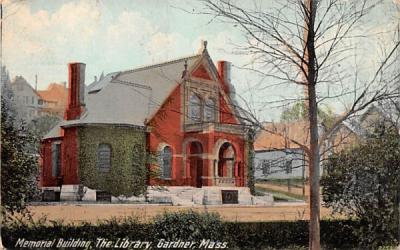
pixel 221 169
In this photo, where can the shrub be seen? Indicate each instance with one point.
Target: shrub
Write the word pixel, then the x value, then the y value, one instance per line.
pixel 188 225
pixel 365 182
pixel 191 226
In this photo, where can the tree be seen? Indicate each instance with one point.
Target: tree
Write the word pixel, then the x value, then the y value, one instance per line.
pixel 298 112
pixel 302 43
pixel 18 164
pixel 365 182
pixel 40 126
pixel 295 113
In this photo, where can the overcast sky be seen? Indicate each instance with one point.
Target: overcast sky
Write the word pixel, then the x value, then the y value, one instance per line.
pixel 42 36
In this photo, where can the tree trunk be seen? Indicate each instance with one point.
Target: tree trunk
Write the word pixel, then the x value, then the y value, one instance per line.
pixel 309 66
pixel 314 240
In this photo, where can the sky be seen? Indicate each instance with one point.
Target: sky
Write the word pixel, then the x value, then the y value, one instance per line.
pixel 41 37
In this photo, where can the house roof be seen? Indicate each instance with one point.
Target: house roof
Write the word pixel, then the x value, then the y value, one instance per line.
pixel 54 93
pixel 357 123
pixel 21 80
pixel 132 96
pixel 280 135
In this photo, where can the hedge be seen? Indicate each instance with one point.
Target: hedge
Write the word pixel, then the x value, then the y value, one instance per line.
pixel 190 225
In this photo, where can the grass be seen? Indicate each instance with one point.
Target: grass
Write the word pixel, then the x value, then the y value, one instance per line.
pixel 279 195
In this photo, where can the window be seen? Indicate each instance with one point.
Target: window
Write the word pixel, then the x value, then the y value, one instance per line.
pixel 195 108
pixel 266 167
pixel 166 162
pixel 56 159
pixel 209 110
pixel 104 157
pixel 33 100
pixel 288 166
pixel 40 101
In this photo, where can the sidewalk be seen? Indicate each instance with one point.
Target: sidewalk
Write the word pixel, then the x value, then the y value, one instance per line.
pixel 95 212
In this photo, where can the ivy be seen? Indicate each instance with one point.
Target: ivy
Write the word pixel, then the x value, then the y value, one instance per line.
pixel 250 161
pixel 128 172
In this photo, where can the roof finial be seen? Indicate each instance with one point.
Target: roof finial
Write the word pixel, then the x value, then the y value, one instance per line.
pixel 184 73
pixel 203 46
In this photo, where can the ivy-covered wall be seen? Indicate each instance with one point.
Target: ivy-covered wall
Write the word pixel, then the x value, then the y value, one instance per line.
pixel 127 175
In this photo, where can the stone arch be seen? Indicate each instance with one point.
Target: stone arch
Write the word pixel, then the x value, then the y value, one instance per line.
pixel 235 162
pixel 185 144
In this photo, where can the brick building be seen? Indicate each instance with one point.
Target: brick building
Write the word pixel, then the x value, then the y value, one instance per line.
pixel 180 110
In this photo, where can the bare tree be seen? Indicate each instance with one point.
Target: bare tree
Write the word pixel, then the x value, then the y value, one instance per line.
pixel 302 42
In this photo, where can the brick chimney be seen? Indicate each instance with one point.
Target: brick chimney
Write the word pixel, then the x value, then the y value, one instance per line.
pixel 76 91
pixel 224 71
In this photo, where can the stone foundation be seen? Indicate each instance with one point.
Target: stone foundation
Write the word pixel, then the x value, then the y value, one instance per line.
pixel 174 195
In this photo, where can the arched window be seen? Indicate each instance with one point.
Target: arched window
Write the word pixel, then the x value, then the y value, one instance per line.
pixel 195 108
pixel 166 162
pixel 104 157
pixel 209 110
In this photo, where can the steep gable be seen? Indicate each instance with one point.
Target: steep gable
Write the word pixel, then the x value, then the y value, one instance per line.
pixel 201 72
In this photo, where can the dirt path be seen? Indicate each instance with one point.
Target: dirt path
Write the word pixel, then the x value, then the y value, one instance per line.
pixel 282 188
pixel 92 213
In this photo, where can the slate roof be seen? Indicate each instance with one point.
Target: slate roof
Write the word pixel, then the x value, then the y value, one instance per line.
pixel 130 97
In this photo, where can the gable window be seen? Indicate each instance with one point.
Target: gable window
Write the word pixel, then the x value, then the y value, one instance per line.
pixel 56 159
pixel 209 110
pixel 104 157
pixel 194 108
pixel 166 162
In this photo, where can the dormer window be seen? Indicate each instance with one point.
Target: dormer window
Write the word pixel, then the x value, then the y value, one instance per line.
pixel 194 108
pixel 209 110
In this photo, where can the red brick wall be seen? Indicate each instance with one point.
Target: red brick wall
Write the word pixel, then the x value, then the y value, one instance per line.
pixel 46 164
pixel 70 153
pixel 166 128
pixel 69 159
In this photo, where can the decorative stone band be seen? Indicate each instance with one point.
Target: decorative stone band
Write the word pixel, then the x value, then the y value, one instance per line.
pixel 219 127
pixel 224 181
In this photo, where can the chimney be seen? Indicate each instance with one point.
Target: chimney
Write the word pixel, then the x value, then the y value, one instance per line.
pixel 224 71
pixel 76 91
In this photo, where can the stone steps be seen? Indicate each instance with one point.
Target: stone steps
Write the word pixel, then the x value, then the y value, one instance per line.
pixel 180 196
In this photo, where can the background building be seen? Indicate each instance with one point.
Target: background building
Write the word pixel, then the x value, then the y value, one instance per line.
pixel 28 102
pixel 54 99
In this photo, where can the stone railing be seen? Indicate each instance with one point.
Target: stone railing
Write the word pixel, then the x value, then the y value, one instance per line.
pixel 219 127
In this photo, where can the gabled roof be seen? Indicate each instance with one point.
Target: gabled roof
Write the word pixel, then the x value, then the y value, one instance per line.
pixel 130 97
pixel 54 93
pixel 356 123
pixel 21 80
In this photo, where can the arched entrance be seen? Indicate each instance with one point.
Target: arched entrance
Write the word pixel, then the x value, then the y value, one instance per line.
pixel 195 155
pixel 226 160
